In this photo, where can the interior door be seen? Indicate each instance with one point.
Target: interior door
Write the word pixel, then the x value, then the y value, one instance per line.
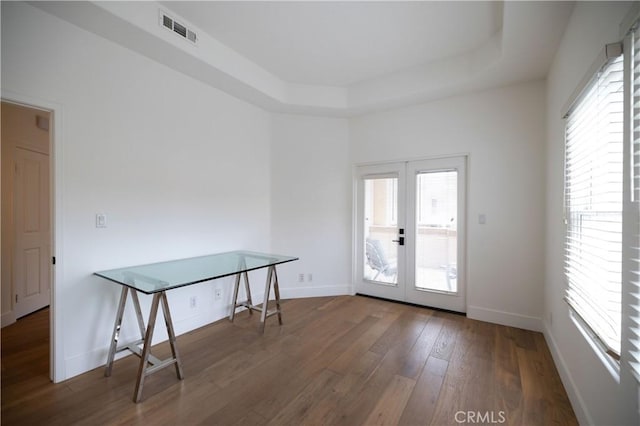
pixel 410 232
pixel 32 254
pixel 26 227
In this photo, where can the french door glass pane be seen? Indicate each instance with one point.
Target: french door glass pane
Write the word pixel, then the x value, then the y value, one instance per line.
pixel 436 230
pixel 380 229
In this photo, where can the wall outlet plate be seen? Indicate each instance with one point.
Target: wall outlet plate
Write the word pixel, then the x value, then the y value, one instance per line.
pixel 101 220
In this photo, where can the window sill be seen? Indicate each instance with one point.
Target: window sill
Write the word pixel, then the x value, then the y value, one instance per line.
pixel 612 365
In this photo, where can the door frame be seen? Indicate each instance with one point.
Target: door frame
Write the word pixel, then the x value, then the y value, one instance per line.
pixel 356 251
pixel 56 334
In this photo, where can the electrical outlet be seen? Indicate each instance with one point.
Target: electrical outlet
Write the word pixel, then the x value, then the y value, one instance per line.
pixel 192 302
pixel 101 220
pixel 217 294
pixel 300 278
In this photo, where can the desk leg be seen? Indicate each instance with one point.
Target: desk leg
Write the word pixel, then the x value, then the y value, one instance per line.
pixel 136 307
pixel 116 331
pixel 276 291
pixel 248 290
pixel 172 335
pixel 146 349
pixel 272 277
pixel 234 302
pixel 265 303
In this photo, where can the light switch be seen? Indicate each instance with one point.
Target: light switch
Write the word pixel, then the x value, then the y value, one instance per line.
pixel 101 220
pixel 482 218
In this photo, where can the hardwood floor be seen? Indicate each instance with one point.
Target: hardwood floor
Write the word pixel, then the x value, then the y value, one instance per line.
pixel 346 360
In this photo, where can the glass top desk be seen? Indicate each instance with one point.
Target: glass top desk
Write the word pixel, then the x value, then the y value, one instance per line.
pixel 157 278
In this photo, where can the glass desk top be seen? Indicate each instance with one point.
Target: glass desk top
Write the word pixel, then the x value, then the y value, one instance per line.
pixel 162 276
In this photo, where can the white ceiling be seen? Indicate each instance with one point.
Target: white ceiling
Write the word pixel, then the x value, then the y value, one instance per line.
pixel 342 43
pixel 339 58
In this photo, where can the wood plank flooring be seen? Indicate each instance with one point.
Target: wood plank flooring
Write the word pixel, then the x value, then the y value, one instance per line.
pixel 345 360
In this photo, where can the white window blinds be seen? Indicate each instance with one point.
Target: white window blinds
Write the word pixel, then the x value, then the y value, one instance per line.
pixel 632 204
pixel 593 204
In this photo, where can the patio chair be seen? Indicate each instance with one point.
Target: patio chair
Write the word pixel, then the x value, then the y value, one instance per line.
pixel 377 259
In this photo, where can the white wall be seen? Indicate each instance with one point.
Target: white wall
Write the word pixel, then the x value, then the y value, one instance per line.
pixel 182 169
pixel 502 130
pixel 179 168
pixel 595 394
pixel 311 203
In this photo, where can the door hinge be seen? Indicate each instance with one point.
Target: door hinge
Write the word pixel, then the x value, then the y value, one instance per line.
pixel 53 260
pixel 16 298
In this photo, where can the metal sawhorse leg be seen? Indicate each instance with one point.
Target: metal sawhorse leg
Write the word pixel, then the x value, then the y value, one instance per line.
pixel 272 280
pixel 148 363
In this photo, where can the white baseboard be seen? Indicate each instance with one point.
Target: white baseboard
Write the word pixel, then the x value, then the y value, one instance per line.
pixel 7 318
pixel 505 318
pixel 321 291
pixel 87 361
pixel 579 407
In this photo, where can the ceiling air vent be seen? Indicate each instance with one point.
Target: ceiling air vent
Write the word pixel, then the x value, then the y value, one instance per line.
pixel 168 22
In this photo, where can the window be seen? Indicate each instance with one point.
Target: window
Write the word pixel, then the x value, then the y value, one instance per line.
pixel 594 206
pixel 631 262
pixel 436 198
pixel 602 203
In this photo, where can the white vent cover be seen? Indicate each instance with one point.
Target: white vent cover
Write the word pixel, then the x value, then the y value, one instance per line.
pixel 166 21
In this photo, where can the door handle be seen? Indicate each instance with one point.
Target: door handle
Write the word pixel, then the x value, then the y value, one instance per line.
pixel 400 241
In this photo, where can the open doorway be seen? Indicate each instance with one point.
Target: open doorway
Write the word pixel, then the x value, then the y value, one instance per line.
pixel 26 141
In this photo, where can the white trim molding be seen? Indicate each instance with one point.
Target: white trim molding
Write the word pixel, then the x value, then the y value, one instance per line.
pixel 320 291
pixel 7 318
pixel 578 404
pixel 511 319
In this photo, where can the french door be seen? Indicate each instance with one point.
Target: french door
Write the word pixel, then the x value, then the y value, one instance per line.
pixel 410 236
